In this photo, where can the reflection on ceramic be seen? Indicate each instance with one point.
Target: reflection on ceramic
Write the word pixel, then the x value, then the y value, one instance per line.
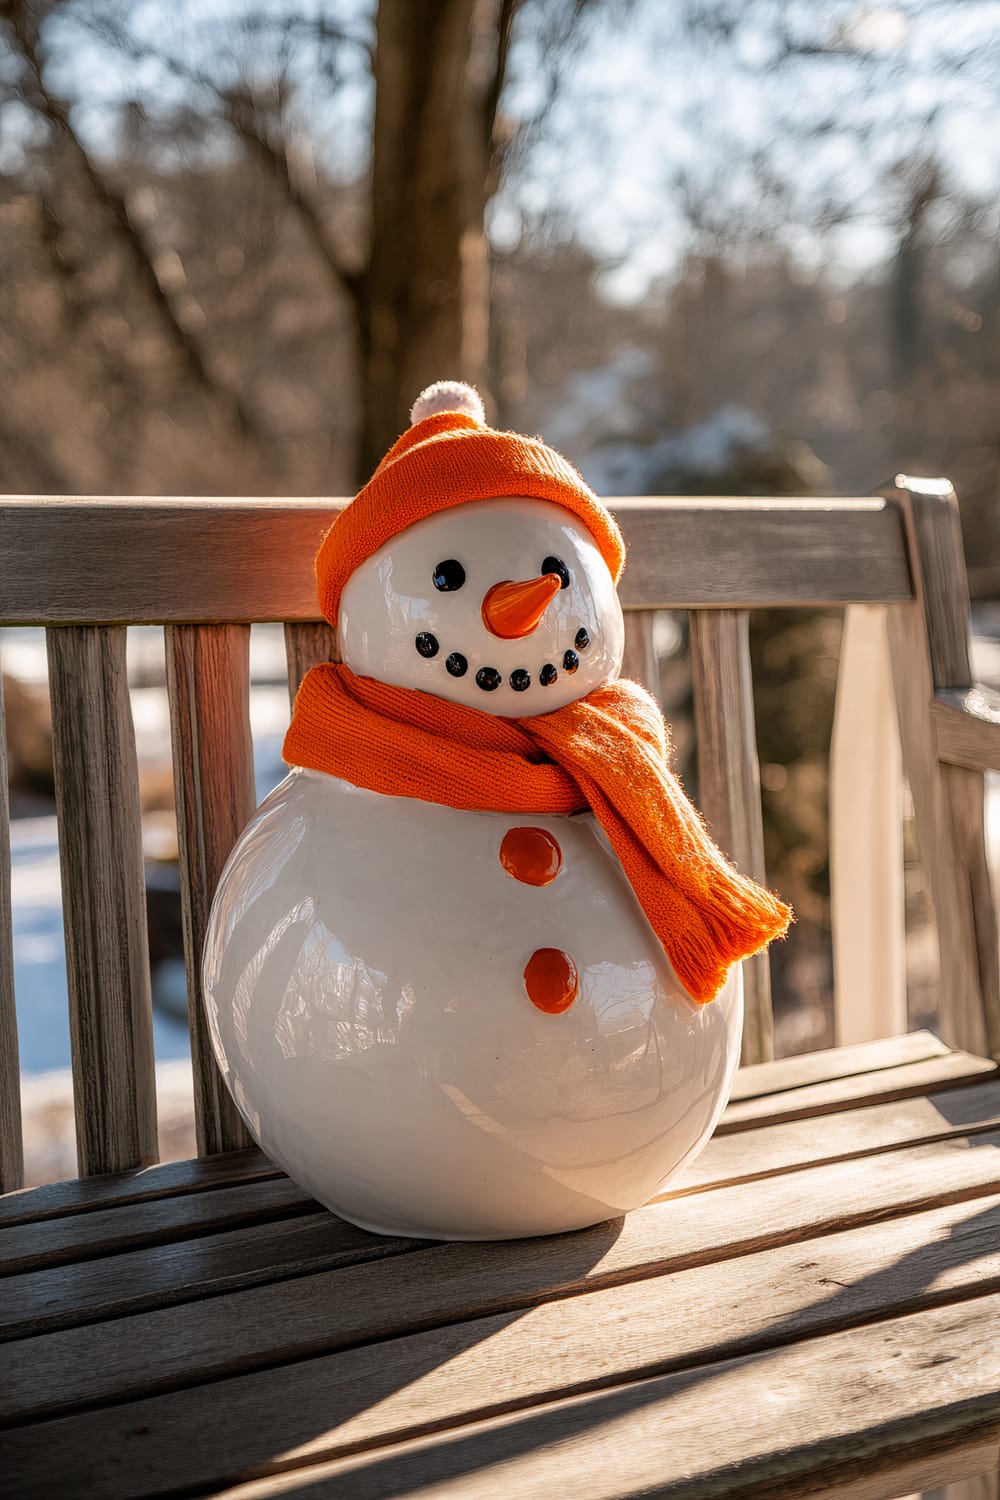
pixel 364 977
pixel 413 613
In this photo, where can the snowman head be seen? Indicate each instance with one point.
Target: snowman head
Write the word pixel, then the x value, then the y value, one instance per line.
pixel 476 566
pixel 505 605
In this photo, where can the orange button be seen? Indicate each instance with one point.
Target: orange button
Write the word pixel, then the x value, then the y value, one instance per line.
pixel 550 979
pixel 531 855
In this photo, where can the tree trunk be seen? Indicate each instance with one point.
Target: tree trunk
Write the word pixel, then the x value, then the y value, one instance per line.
pixel 424 311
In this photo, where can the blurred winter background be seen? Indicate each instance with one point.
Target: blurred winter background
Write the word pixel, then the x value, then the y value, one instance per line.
pixel 704 246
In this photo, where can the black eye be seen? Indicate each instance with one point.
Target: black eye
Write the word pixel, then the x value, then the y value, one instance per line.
pixel 449 576
pixel 556 565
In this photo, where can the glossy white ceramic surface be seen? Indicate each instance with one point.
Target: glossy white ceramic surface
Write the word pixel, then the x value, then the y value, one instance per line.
pixel 363 979
pixel 391 599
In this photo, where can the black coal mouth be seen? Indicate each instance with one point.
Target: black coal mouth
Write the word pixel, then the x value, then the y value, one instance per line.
pixel 488 679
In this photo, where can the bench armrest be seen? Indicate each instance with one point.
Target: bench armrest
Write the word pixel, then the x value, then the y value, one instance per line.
pixel 967 727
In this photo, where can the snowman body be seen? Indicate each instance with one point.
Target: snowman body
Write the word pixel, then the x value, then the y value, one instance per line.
pixel 363 979
pixel 368 966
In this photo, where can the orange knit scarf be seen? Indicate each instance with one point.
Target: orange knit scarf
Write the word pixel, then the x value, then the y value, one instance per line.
pixel 607 751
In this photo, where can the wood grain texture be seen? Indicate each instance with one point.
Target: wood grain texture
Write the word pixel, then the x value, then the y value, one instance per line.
pixel 84 1194
pixel 812 1140
pixel 903 1082
pixel 188 1268
pixel 371 1396
pixel 836 1062
pixel 192 560
pixel 729 783
pixel 104 909
pixel 982 1487
pixel 867 907
pixel 966 725
pixel 185 1270
pixel 208 687
pixel 11 1148
pixel 108 1231
pixel 306 646
pixel 640 662
pixel 277 1323
pixel 847 1406
pixel 929 643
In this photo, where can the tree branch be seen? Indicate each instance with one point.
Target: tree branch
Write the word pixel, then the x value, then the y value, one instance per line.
pixel 240 115
pixel 505 28
pixel 238 111
pixel 111 202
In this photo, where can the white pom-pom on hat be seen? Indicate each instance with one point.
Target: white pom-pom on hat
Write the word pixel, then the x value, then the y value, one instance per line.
pixel 447 395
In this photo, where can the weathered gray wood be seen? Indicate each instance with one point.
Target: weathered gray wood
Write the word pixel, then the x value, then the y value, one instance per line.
pixel 208 685
pixel 473 1371
pixel 297 1319
pixel 107 1231
pixel 188 1269
pixel 729 782
pixel 192 560
pixel 966 724
pixel 812 1140
pixel 104 910
pixel 83 1194
pixel 11 1150
pixel 640 662
pixel 835 1062
pixel 185 1270
pixel 847 1406
pixel 903 1082
pixel 306 646
pixel 929 642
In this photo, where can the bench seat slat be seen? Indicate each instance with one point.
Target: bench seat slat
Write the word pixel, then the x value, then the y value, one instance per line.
pixel 186 1270
pixel 192 560
pixel 104 908
pixel 106 1231
pixel 811 1140
pixel 275 1323
pixel 375 1395
pixel 806 1419
pixel 208 687
pixel 835 1094
pixel 835 1062
pixel 80 1195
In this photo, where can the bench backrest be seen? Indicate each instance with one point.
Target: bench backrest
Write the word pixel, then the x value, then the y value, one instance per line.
pixel 86 568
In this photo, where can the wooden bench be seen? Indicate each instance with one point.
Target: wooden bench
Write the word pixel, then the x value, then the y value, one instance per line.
pixel 814 1309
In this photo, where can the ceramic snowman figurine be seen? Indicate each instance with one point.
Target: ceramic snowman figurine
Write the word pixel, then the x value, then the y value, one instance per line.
pixel 472 970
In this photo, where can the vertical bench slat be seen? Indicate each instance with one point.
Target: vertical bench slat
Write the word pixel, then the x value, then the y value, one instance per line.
pixel 929 640
pixel 11 1148
pixel 306 646
pixel 208 684
pixel 867 902
pixel 104 907
pixel 729 781
pixel 640 663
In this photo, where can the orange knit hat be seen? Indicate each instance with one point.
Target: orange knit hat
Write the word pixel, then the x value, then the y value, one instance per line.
pixel 450 456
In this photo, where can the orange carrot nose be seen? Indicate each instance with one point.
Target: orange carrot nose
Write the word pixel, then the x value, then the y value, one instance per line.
pixel 511 610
